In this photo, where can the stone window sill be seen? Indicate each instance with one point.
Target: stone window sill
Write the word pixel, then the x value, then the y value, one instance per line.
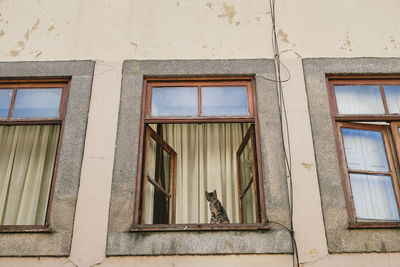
pixel 198 227
pixel 25 229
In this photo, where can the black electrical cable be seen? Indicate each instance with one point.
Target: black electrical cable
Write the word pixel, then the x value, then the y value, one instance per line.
pixel 272 80
pixel 282 109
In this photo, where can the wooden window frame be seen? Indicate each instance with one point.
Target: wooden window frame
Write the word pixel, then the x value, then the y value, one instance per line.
pixel 390 137
pixel 146 118
pixel 150 133
pixel 16 84
pixel 249 138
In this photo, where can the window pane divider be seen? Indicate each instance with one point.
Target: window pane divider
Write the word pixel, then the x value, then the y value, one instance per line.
pixel 369 172
pixel 12 102
pixel 366 117
pixel 151 180
pixel 30 121
pixel 385 105
pixel 246 189
pixel 196 119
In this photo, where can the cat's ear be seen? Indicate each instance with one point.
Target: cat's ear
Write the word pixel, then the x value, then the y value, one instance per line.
pixel 215 193
pixel 207 195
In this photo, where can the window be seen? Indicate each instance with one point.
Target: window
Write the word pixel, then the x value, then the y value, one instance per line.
pixel 31 121
pixel 198 135
pixel 51 232
pixel 366 112
pixel 126 234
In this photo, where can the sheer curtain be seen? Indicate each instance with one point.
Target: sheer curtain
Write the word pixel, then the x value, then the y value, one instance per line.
pixel 26 166
pixel 359 99
pixel 206 160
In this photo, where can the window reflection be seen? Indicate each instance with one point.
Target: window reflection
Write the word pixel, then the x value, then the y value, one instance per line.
pixel 174 101
pixel 392 93
pixel 359 99
pixel 5 100
pixel 224 101
pixel 37 103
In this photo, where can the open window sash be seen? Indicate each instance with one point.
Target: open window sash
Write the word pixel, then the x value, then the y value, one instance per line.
pixel 369 171
pixel 158 186
pixel 248 186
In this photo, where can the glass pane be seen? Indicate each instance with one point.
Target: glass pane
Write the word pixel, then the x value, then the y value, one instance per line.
pixel 37 103
pixel 365 150
pixel 392 93
pixel 149 205
pixel 246 176
pixel 157 212
pixel 26 169
pixel 246 166
pixel 174 101
pixel 5 100
pixel 164 172
pixel 359 99
pixel 374 197
pixel 248 206
pixel 224 101
pixel 151 158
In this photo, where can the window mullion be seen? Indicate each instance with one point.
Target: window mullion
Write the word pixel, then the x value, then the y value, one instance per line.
pixel 199 100
pixel 384 99
pixel 12 102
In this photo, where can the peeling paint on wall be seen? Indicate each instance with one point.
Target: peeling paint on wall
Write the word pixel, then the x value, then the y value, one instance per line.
pixel 393 41
pixel 21 44
pixel 26 35
pixel 284 37
pixel 51 28
pixel 36 25
pixel 308 166
pixel 347 44
pixel 14 53
pixel 229 12
pixel 134 44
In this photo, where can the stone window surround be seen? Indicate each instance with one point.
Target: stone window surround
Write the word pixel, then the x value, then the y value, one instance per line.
pixel 121 241
pixel 340 238
pixel 58 241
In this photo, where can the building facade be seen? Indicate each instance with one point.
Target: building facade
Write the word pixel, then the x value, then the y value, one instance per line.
pixel 117 116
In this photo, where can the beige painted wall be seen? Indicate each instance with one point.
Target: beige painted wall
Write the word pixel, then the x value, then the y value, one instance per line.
pixel 110 31
pixel 186 29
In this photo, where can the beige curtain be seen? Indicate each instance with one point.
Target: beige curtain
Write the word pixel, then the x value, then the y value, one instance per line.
pixel 26 166
pixel 206 160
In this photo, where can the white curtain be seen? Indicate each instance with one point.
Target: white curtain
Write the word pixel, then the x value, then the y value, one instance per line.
pixel 27 155
pixel 374 197
pixel 206 160
pixel 373 194
pixel 359 99
pixel 392 93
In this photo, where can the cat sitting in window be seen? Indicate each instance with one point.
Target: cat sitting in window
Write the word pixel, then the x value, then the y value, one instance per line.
pixel 218 213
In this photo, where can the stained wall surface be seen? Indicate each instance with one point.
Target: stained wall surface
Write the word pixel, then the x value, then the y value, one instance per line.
pixel 109 32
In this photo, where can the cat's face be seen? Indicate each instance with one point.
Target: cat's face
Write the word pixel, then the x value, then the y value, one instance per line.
pixel 212 196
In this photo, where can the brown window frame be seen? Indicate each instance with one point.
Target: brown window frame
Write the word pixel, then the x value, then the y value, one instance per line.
pixel 15 84
pixel 146 118
pixel 390 137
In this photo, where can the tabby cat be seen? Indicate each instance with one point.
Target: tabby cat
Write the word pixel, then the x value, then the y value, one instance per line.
pixel 218 213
